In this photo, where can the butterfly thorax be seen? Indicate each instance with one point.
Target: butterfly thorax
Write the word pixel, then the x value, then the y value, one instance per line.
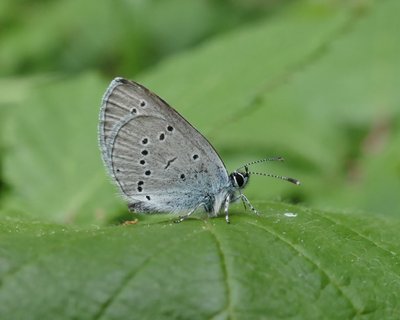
pixel 237 181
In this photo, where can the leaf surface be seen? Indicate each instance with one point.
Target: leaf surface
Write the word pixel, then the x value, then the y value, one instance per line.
pixel 290 262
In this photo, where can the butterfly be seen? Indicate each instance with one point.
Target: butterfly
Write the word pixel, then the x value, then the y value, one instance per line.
pixel 159 161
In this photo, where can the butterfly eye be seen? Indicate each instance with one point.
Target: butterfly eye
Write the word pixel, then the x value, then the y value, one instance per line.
pixel 142 103
pixel 239 179
pixel 170 128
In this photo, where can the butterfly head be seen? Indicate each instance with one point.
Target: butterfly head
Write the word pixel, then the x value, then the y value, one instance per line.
pixel 240 179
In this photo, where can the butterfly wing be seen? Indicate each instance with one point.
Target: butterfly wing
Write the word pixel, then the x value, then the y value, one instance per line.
pixel 158 160
pixel 122 99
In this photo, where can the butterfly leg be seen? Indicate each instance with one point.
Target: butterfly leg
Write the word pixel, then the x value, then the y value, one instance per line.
pixel 226 208
pixel 182 218
pixel 241 198
pixel 245 200
pixel 237 198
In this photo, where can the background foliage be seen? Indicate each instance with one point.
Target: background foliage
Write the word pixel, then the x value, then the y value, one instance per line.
pixel 313 81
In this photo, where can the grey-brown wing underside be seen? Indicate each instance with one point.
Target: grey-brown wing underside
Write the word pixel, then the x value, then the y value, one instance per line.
pixel 158 160
pixel 122 99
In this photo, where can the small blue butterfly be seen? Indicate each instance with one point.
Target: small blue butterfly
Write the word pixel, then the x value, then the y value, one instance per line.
pixel 159 161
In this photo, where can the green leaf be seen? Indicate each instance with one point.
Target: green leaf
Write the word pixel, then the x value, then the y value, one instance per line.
pixel 290 262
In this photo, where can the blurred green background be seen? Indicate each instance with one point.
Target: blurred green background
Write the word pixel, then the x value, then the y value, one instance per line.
pixel 316 82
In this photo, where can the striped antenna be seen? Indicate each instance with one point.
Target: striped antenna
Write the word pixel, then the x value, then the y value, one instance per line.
pixel 260 161
pixel 292 180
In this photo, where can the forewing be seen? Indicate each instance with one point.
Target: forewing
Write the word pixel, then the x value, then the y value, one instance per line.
pixel 122 99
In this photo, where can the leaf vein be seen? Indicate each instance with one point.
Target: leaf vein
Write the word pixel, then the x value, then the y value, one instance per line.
pixel 356 310
pixel 131 275
pixel 228 289
pixel 364 237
